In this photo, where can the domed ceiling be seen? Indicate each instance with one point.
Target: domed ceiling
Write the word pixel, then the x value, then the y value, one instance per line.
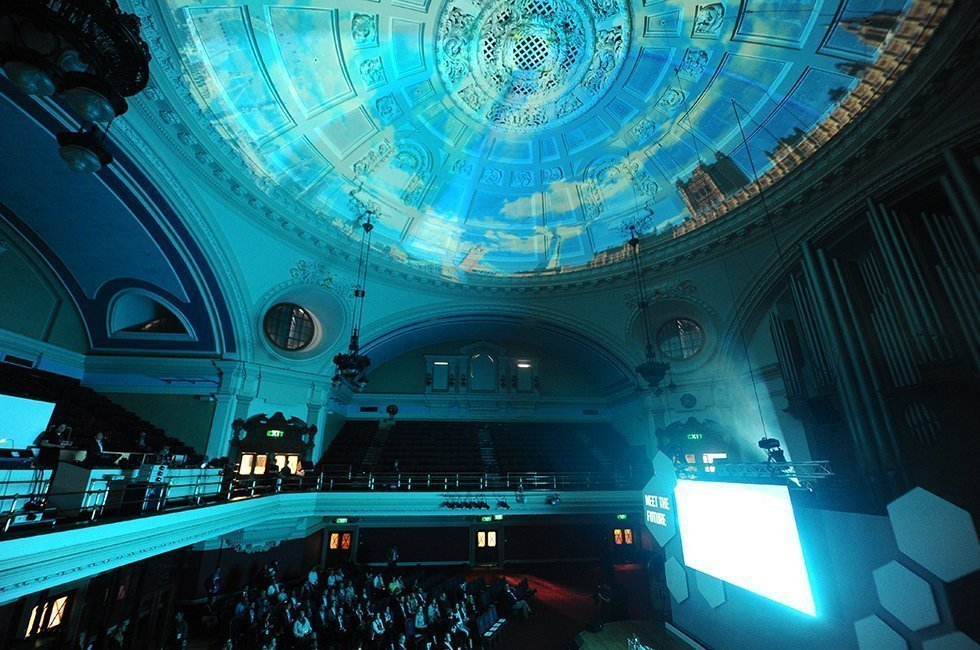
pixel 509 137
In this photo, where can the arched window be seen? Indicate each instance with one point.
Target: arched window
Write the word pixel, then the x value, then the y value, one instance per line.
pixel 680 339
pixel 483 372
pixel 288 326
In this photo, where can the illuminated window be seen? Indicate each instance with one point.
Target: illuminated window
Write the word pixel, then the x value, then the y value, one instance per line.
pixel 689 458
pixel 288 326
pixel 248 461
pixel 492 538
pixel 680 339
pixel 709 459
pixel 334 541
pixel 260 463
pixel 618 536
pixel 628 535
pixel 345 541
pixel 47 615
pixel 481 539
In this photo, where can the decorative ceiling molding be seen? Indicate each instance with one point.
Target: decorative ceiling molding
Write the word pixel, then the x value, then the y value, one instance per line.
pixel 278 208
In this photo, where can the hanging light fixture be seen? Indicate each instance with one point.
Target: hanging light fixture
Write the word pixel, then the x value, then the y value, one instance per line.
pixel 88 53
pixel 82 151
pixel 351 365
pixel 652 370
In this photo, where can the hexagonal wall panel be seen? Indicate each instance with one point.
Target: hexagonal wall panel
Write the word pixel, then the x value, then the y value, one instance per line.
pixel 676 580
pixel 953 641
pixel 658 500
pixel 874 634
pixel 935 533
pixel 712 589
pixel 906 596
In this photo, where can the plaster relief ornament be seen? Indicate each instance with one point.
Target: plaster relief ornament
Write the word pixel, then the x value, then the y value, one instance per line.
pixel 373 72
pixel 708 20
pixel 387 108
pixel 670 101
pixel 526 65
pixel 693 64
pixel 312 273
pixel 364 30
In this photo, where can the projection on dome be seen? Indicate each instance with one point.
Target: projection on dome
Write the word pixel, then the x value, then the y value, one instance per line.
pixel 745 535
pixel 22 420
pixel 513 137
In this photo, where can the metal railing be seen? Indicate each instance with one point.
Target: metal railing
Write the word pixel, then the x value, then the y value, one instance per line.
pixel 122 498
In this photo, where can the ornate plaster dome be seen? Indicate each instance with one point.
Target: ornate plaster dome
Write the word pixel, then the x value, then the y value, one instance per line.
pixel 516 137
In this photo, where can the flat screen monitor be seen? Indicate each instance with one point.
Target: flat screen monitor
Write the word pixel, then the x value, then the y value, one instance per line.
pixel 746 535
pixel 22 420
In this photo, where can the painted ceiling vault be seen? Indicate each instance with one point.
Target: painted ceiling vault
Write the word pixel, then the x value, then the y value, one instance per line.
pixel 511 137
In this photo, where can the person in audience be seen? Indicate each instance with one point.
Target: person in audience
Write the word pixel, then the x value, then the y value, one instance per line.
pixel 142 446
pixel 180 632
pixel 53 435
pixel 95 450
pixel 302 630
pixel 516 604
pixel 213 586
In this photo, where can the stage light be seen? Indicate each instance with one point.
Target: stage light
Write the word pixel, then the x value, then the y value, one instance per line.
pixel 773 451
pixel 503 504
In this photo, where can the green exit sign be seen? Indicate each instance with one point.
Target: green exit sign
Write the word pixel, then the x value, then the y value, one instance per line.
pixel 498 517
pixel 275 433
pixel 486 518
pixel 695 436
pixel 621 517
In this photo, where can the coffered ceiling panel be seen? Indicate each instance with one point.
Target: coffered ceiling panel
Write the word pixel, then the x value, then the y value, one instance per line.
pixel 514 137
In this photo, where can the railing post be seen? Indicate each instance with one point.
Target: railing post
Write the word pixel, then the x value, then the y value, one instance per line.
pixel 428 480
pixel 409 483
pixel 457 480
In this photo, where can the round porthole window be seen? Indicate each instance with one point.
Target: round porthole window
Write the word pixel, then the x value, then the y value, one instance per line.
pixel 680 339
pixel 288 326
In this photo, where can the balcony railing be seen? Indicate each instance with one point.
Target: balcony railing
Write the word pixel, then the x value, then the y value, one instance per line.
pixel 112 499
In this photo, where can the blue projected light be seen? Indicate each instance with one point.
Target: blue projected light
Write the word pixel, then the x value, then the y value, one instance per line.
pixel 746 535
pixel 21 420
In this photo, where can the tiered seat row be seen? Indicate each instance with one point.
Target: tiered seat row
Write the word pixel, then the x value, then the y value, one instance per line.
pixel 422 447
pixel 454 446
pixel 85 411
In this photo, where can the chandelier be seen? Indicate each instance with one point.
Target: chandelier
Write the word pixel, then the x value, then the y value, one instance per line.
pixel 651 370
pixel 87 53
pixel 352 365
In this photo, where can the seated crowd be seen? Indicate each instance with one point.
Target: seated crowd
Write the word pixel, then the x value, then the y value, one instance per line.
pixel 364 608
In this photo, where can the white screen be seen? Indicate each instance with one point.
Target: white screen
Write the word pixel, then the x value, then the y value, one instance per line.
pixel 746 535
pixel 21 420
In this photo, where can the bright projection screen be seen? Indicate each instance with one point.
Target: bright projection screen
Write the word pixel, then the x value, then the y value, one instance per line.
pixel 22 419
pixel 745 535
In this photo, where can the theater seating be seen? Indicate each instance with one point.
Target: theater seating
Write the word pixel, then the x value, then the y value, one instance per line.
pixel 85 410
pixel 495 448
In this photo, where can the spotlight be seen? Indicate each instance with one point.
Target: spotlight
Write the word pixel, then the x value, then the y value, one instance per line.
pixel 82 152
pixel 772 449
pixel 553 499
pixel 503 504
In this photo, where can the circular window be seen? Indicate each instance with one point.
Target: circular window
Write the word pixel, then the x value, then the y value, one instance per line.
pixel 288 326
pixel 680 339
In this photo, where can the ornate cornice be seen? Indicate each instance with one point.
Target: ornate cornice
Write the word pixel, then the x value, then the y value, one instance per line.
pixel 788 199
